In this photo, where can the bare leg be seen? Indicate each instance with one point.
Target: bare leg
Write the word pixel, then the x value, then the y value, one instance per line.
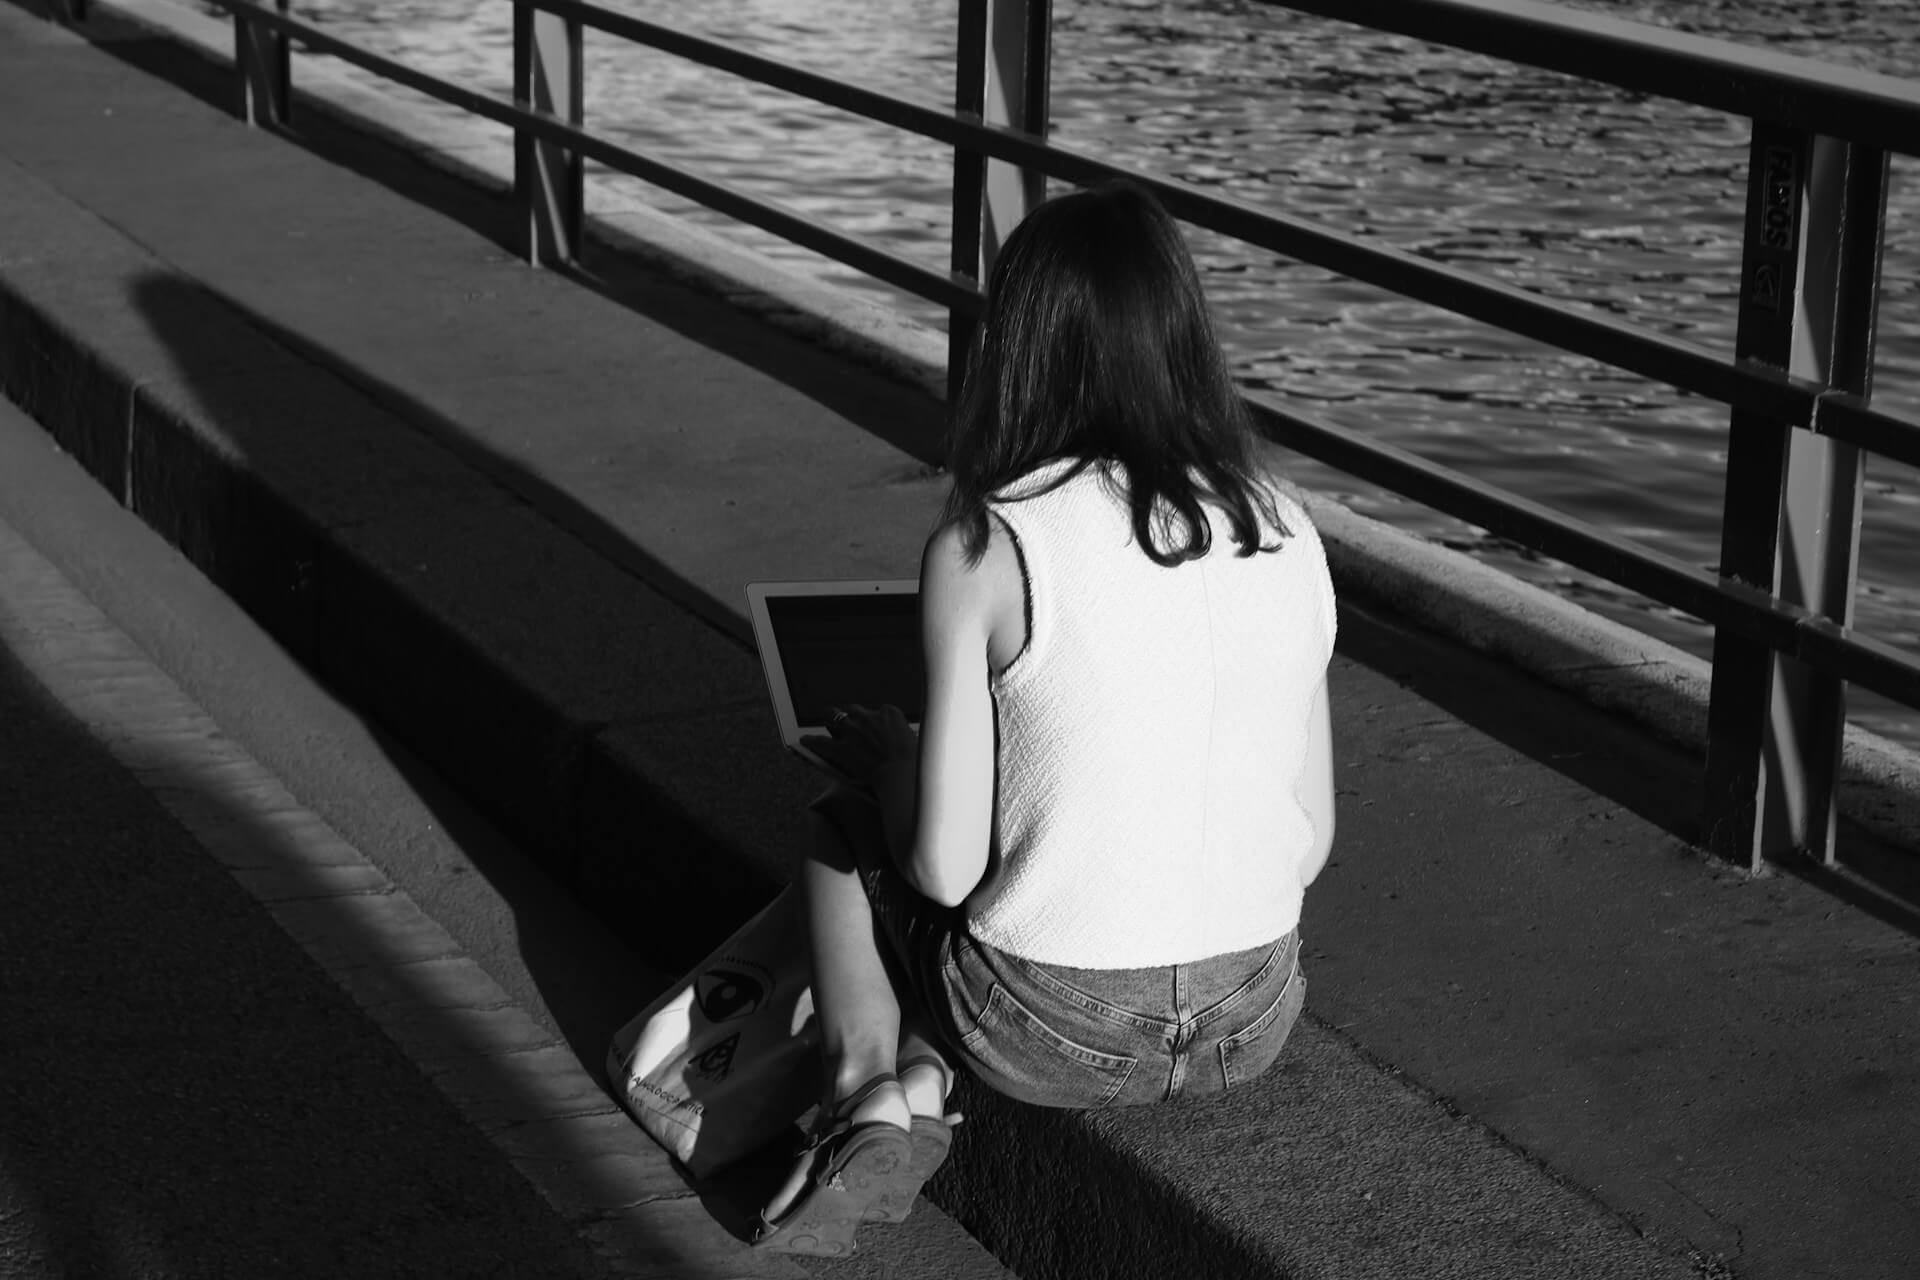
pixel 926 1085
pixel 854 1000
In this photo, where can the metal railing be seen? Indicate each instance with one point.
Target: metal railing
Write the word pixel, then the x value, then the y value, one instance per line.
pixel 1798 387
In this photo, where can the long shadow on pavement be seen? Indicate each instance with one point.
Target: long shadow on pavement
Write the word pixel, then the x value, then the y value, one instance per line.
pixel 253 549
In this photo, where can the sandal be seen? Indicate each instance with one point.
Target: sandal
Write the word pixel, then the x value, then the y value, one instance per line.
pixel 854 1171
pixel 931 1138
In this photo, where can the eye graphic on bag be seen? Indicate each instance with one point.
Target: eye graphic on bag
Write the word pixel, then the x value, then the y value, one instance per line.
pixel 715 1064
pixel 728 1057
pixel 726 994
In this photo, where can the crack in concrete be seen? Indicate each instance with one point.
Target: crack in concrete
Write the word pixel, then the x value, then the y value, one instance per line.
pixel 615 1213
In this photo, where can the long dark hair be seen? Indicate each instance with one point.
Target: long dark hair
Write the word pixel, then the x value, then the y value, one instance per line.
pixel 1096 346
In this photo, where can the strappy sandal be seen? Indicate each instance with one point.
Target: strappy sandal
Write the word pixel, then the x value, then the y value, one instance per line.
pixel 854 1171
pixel 931 1138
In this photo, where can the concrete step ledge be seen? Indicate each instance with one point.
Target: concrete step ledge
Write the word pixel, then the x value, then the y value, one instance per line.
pixel 480 631
pixel 307 505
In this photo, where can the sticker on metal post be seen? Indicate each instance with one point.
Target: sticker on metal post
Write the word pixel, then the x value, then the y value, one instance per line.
pixel 1774 241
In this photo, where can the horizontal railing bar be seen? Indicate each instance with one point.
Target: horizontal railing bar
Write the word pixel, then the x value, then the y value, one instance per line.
pixel 1847 417
pixel 942 289
pixel 1503 306
pixel 1602 338
pixel 1495 509
pixel 1721 602
pixel 1753 387
pixel 871 103
pixel 1843 102
pixel 1825 645
pixel 469 100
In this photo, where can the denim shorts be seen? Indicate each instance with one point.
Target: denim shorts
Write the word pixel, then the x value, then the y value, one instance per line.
pixel 1066 1037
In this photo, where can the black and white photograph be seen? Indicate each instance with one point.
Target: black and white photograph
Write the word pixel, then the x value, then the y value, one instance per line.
pixel 980 640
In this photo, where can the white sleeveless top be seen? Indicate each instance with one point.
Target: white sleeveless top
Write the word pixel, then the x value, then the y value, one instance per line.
pixel 1152 737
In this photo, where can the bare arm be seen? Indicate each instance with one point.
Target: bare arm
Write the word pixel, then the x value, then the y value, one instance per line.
pixel 951 825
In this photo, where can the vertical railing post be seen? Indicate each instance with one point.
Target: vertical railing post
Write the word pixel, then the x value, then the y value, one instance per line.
pixel 969 182
pixel 264 65
pixel 1019 57
pixel 549 181
pixel 1808 300
pixel 1003 77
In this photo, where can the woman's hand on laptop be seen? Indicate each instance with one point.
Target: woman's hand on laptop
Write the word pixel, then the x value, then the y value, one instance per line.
pixel 868 741
pixel 877 746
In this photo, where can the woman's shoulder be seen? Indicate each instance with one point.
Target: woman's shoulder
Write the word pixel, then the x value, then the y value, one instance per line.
pixel 961 593
pixel 949 556
pixel 981 564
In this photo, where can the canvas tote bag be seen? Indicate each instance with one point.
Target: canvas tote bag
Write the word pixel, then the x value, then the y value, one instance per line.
pixel 728 1057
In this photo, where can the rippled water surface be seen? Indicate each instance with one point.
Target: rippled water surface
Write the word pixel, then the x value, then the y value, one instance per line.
pixel 1627 204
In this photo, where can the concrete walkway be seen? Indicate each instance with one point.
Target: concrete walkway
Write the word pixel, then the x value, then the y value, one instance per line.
pixel 509 514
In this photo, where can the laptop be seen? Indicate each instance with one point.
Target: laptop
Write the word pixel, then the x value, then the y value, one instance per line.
pixel 830 644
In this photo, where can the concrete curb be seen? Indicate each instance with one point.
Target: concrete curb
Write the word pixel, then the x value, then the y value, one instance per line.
pixel 1610 665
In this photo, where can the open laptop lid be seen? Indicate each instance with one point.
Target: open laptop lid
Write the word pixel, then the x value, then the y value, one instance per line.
pixel 827 644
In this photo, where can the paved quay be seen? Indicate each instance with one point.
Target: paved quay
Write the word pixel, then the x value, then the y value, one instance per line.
pixel 507 514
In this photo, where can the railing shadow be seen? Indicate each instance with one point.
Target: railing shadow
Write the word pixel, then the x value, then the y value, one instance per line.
pixel 244 549
pixel 901 415
pixel 1608 755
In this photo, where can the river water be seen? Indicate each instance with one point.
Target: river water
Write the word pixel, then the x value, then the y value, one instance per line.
pixel 1628 204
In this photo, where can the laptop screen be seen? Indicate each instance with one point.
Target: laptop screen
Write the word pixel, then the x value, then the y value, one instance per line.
pixel 840 649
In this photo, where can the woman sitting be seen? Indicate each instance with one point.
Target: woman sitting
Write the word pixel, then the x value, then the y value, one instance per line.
pixel 1081 881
